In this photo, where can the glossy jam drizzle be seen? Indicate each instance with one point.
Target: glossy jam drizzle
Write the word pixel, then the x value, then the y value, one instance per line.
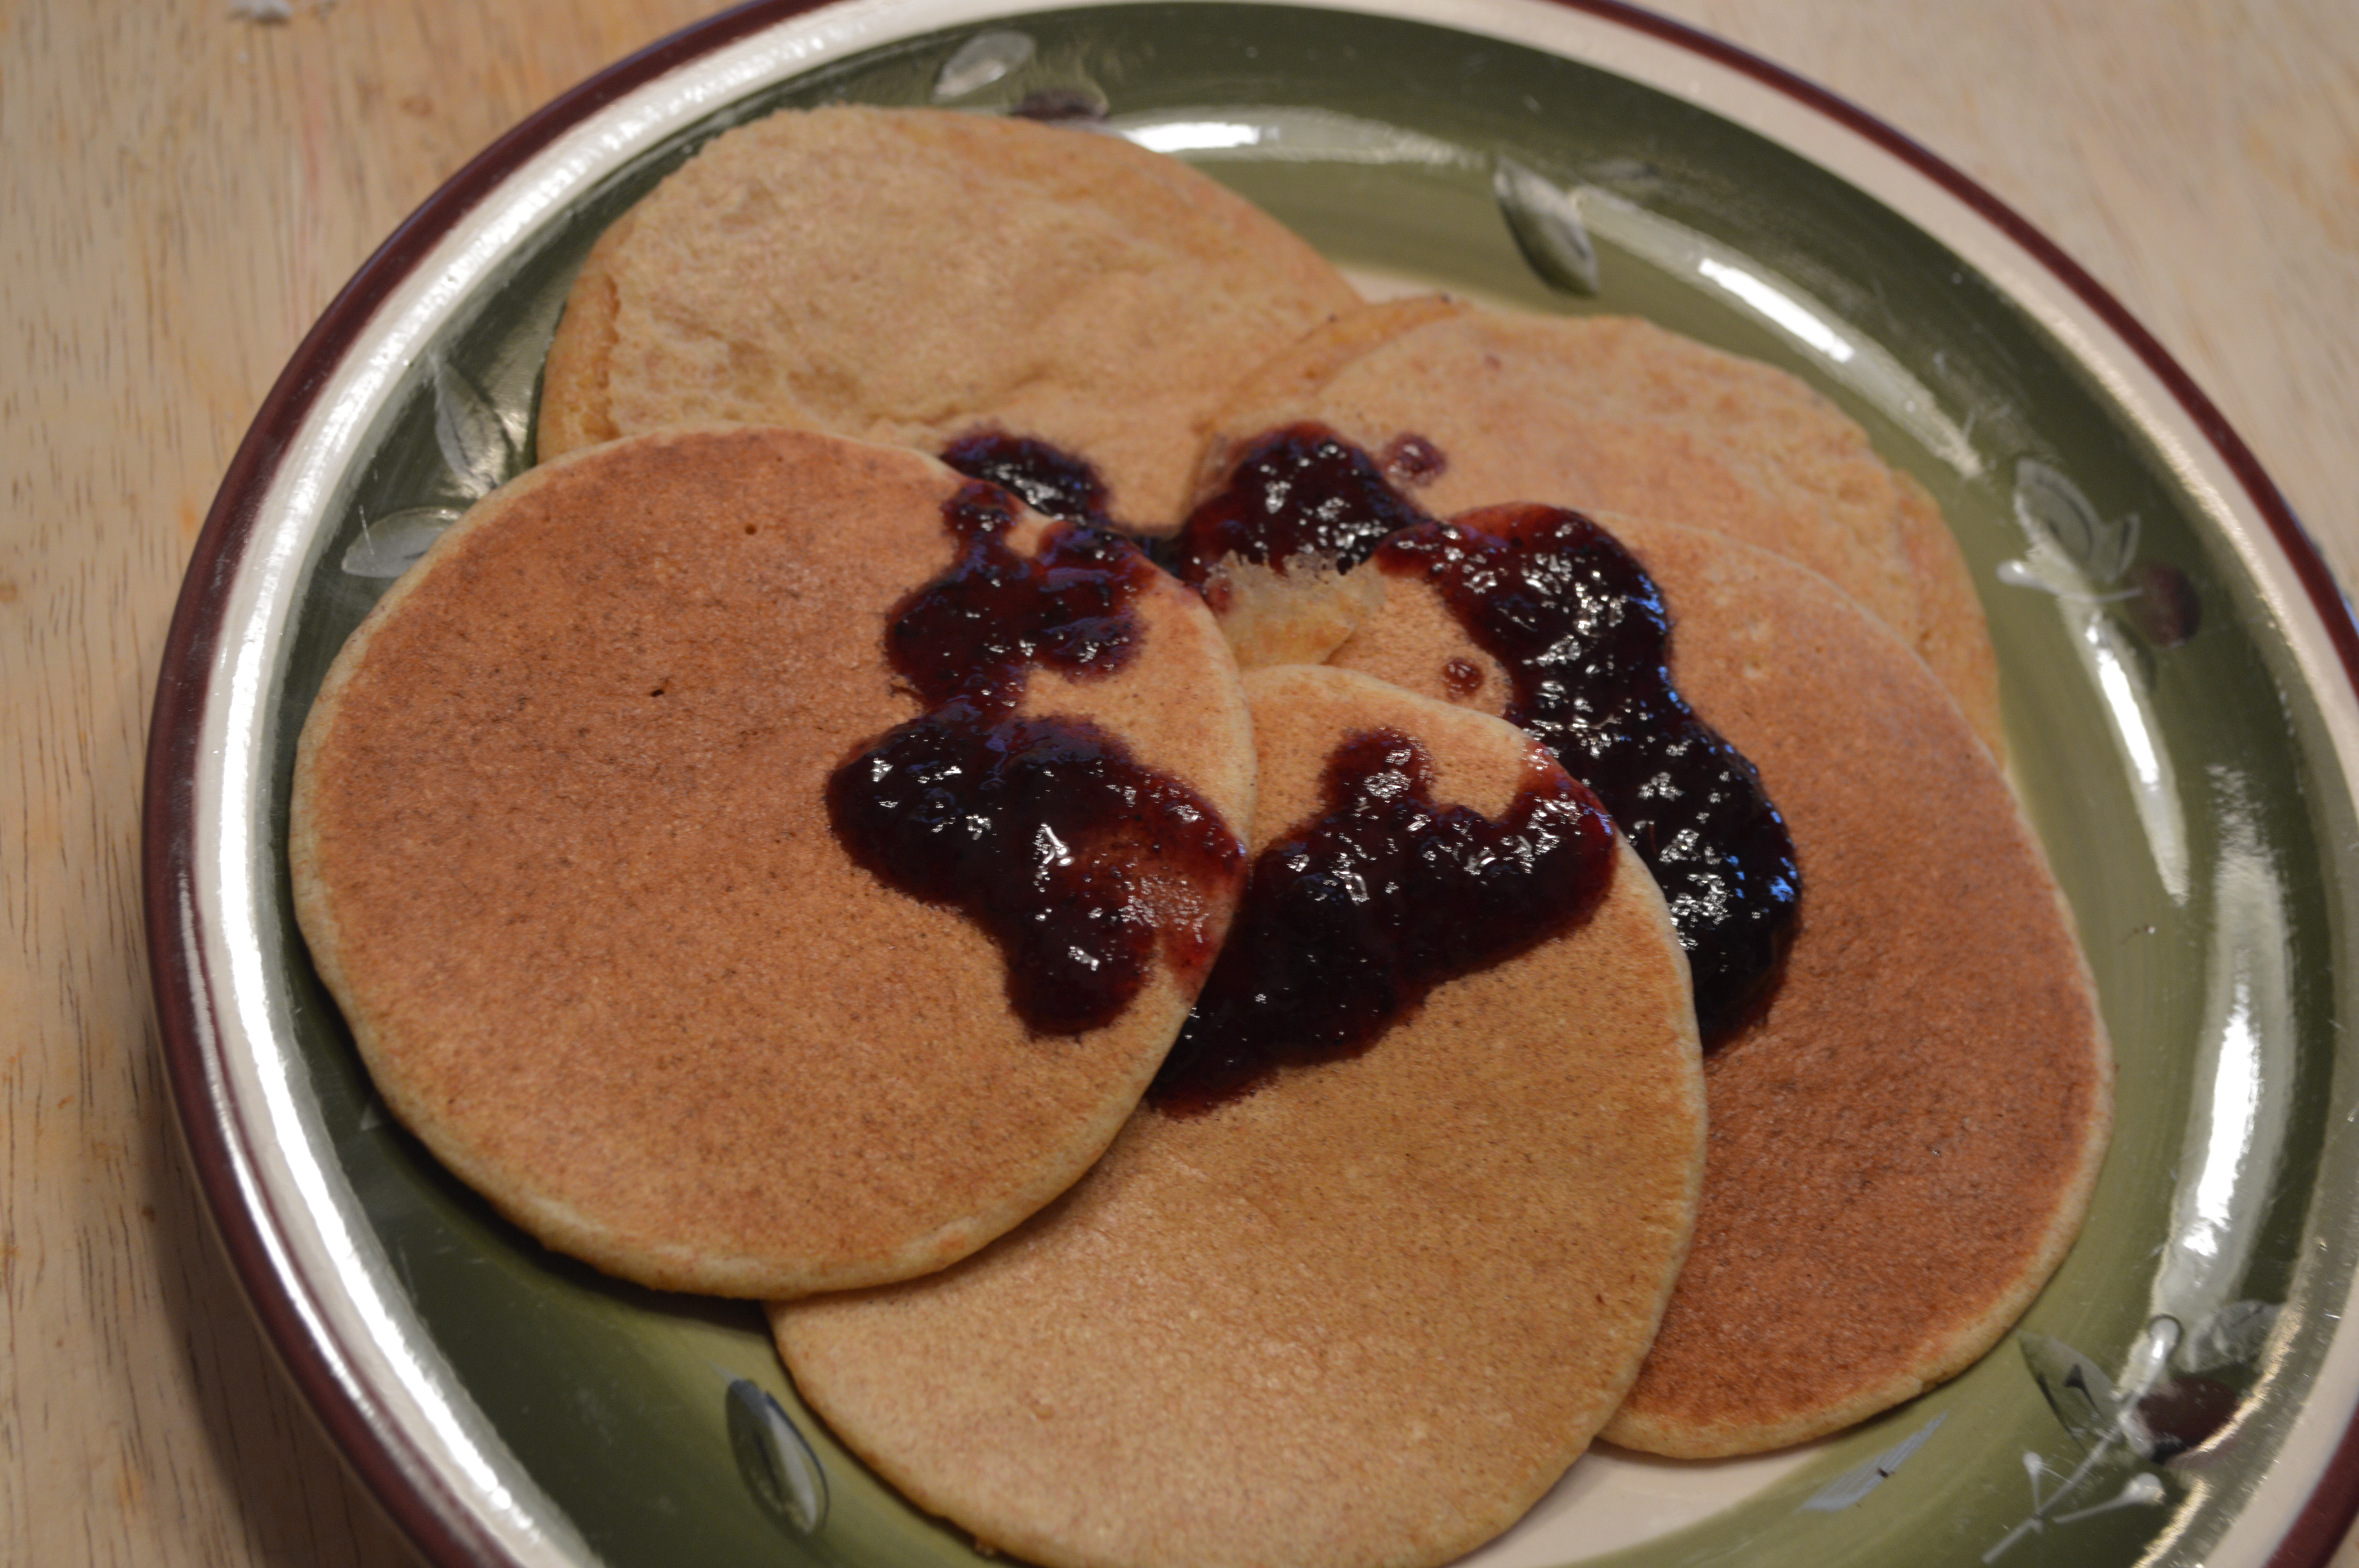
pixel 1410 459
pixel 1299 488
pixel 1080 862
pixel 1581 633
pixel 1353 918
pixel 974 632
pixel 1052 482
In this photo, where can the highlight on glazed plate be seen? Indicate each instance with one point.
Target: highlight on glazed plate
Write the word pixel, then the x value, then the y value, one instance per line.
pixel 1087 813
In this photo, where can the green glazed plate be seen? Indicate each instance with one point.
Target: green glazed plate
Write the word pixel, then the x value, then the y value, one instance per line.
pixel 2177 670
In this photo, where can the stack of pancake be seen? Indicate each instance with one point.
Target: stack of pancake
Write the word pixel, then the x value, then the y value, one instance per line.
pixel 569 851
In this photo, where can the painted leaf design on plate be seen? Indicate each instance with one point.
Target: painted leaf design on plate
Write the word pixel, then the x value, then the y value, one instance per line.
pixel 391 546
pixel 981 60
pixel 2232 1336
pixel 777 1462
pixel 2076 1387
pixel 1861 1480
pixel 482 442
pixel 1544 219
pixel 2049 507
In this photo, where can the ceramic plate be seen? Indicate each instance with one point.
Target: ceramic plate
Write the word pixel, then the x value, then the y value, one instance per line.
pixel 2178 679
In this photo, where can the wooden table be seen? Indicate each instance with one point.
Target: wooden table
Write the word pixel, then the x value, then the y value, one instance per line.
pixel 184 190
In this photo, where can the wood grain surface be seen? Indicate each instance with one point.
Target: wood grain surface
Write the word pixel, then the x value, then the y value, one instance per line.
pixel 185 187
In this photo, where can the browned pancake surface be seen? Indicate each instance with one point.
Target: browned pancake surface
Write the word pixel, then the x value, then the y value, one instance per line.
pixel 1365 1315
pixel 1903 1147
pixel 907 275
pixel 561 852
pixel 1614 415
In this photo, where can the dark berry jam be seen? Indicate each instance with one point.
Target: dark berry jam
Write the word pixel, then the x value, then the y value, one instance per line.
pixel 975 629
pixel 2164 606
pixel 1351 919
pixel 1582 631
pixel 1052 482
pixel 2181 1415
pixel 1080 862
pixel 1300 488
pixel 1058 105
pixel 1410 459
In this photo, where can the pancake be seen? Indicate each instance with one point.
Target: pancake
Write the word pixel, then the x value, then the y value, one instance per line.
pixel 1297 613
pixel 1366 1314
pixel 562 852
pixel 1903 1146
pixel 909 275
pixel 1614 415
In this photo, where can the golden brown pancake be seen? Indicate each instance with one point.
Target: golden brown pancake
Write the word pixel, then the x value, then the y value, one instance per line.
pixel 1296 613
pixel 561 853
pixel 908 276
pixel 1614 415
pixel 1903 1146
pixel 1366 1314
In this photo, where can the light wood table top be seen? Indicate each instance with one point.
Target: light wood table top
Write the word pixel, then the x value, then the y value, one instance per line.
pixel 185 187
